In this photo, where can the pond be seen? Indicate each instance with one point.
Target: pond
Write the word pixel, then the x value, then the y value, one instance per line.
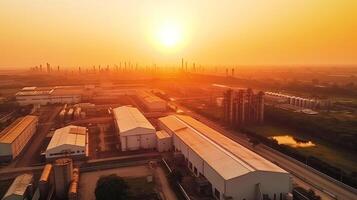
pixel 293 141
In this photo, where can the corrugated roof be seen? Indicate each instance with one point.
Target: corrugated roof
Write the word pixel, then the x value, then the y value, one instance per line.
pixel 19 186
pixel 171 122
pixel 69 135
pixel 251 158
pixel 149 97
pixel 162 134
pixel 129 118
pixel 221 161
pixel 9 134
pixel 227 157
pixel 34 92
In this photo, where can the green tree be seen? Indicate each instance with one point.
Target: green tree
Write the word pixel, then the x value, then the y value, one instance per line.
pixel 111 187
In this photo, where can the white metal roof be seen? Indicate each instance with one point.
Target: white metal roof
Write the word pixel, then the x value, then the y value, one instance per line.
pixel 129 118
pixel 19 186
pixel 227 157
pixel 69 135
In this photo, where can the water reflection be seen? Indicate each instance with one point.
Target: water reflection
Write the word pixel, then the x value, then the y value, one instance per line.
pixel 292 141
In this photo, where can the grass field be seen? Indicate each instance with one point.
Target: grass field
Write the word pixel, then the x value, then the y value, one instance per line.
pixel 323 150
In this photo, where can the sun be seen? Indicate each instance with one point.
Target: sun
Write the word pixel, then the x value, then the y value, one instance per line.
pixel 169 35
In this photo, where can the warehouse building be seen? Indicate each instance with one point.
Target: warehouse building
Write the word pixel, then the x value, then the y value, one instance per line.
pixel 51 95
pixel 134 130
pixel 70 141
pixel 152 102
pixel 15 137
pixel 164 141
pixel 21 188
pixel 231 170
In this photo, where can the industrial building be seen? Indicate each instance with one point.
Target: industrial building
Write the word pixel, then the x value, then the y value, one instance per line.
pixel 152 102
pixel 230 170
pixel 21 188
pixel 134 130
pixel 242 107
pixel 164 141
pixel 70 141
pixel 51 95
pixel 15 137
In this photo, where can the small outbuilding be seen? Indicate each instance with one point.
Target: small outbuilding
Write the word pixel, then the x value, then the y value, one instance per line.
pixel 134 130
pixel 164 141
pixel 21 188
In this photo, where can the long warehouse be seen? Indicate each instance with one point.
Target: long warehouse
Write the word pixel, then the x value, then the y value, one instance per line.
pixel 15 137
pixel 233 171
pixel 134 130
pixel 70 141
pixel 152 102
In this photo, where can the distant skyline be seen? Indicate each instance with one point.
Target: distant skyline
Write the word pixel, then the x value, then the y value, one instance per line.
pixel 240 32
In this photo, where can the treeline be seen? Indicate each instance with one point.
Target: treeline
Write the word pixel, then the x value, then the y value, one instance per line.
pixel 314 162
pixel 342 133
pixel 349 89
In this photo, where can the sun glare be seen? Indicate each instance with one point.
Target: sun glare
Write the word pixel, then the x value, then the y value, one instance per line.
pixel 169 35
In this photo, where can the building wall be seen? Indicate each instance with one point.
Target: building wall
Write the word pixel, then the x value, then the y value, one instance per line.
pixel 164 144
pixel 14 149
pixel 148 141
pixel 245 187
pixel 202 167
pixel 47 99
pixel 142 139
pixel 70 149
pixel 35 99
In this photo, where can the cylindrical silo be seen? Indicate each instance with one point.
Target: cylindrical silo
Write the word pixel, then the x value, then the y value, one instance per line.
pixel 63 170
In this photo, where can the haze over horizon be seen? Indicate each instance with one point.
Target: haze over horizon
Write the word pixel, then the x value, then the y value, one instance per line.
pixel 85 33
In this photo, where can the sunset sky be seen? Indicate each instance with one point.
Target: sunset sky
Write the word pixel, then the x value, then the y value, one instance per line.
pixel 242 32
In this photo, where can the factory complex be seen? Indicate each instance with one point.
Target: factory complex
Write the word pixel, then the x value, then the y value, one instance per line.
pixel 136 122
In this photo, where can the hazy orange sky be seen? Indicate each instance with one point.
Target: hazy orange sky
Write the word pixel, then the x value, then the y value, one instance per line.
pixel 244 32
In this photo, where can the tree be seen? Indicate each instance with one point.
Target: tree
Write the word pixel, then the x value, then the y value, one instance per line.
pixel 111 187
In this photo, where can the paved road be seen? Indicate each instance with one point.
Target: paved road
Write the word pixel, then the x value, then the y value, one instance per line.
pixel 165 187
pixel 31 153
pixel 327 189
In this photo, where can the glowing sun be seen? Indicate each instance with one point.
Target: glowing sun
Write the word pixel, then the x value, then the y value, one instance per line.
pixel 169 35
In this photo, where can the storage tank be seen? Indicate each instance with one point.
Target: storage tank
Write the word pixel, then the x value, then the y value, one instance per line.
pixel 70 114
pixel 63 170
pixel 77 113
pixel 62 114
pixel 45 181
pixel 293 100
pixel 73 188
pixel 308 103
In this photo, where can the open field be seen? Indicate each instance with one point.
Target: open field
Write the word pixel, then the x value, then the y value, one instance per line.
pixel 323 150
